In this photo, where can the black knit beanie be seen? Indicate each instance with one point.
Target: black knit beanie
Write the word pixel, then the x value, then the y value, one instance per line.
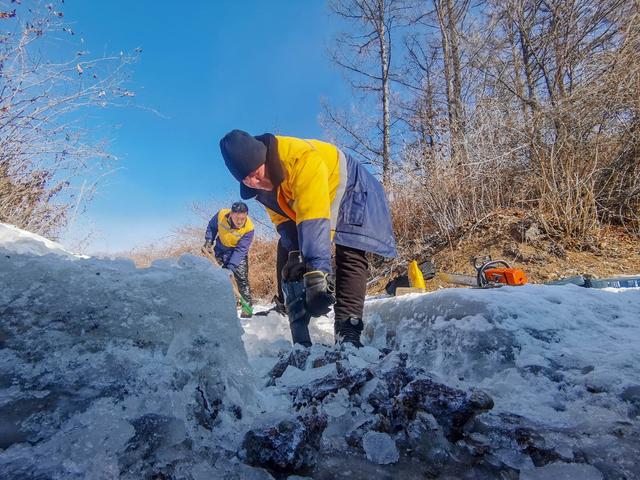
pixel 242 153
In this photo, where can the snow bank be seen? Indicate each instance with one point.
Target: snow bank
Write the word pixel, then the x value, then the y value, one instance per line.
pixel 521 343
pixel 266 336
pixel 562 361
pixel 108 370
pixel 23 242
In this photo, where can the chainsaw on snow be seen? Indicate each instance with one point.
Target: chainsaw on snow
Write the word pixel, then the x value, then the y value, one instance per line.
pixel 489 273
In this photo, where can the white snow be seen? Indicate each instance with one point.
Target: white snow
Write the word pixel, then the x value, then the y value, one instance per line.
pixel 560 355
pixel 266 336
pixel 106 368
pixel 22 242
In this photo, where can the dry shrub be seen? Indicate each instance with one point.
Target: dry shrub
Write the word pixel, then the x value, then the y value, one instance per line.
pixel 590 171
pixel 568 150
pixel 435 195
pixel 184 240
pixel 618 96
pixel 50 162
pixel 619 186
pixel 262 268
pixel 567 204
pixel 585 185
pixel 27 200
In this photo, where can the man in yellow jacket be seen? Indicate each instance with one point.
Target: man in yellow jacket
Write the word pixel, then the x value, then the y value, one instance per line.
pixel 315 195
pixel 228 237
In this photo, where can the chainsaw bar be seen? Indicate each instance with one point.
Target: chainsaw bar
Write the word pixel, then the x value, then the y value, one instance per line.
pixel 457 279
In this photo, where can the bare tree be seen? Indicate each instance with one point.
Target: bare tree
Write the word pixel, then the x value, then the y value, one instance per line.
pixel 365 53
pixel 451 14
pixel 542 95
pixel 423 112
pixel 49 165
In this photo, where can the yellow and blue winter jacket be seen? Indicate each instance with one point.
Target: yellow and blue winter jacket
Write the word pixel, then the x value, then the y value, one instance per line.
pixel 321 196
pixel 232 243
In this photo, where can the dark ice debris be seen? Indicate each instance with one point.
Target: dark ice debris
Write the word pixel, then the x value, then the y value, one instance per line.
pixel 153 433
pixel 287 446
pixel 317 390
pixel 296 358
pixel 631 395
pixel 551 373
pixel 452 408
pixel 330 356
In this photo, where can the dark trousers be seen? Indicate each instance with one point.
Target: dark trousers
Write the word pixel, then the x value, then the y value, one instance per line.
pixel 352 270
pixel 281 259
pixel 242 278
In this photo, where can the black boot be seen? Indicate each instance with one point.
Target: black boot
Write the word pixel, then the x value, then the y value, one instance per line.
pixel 348 331
pixel 298 316
pixel 241 275
pixel 294 299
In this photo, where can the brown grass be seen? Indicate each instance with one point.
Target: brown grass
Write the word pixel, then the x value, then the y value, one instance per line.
pixel 262 268
pixel 515 235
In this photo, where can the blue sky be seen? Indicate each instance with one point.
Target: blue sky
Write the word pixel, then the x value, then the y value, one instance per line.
pixel 207 67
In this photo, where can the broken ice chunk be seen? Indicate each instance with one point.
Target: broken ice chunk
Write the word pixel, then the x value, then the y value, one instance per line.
pixel 380 448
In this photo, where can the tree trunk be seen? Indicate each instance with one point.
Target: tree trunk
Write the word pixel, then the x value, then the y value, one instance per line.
pixel 448 21
pixel 386 120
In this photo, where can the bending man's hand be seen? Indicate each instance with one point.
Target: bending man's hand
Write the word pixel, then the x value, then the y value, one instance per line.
pixel 320 292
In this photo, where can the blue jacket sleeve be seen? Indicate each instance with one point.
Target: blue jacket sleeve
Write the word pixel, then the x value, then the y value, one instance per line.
pixel 315 243
pixel 212 229
pixel 309 237
pixel 241 250
pixel 288 235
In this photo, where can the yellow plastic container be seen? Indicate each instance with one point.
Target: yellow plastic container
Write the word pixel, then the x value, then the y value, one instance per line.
pixel 416 279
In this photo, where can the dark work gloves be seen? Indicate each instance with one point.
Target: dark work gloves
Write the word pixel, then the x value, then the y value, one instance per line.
pixel 294 268
pixel 207 248
pixel 312 293
pixel 320 292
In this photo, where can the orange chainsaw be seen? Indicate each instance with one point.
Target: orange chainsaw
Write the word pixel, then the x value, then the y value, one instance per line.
pixel 489 273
